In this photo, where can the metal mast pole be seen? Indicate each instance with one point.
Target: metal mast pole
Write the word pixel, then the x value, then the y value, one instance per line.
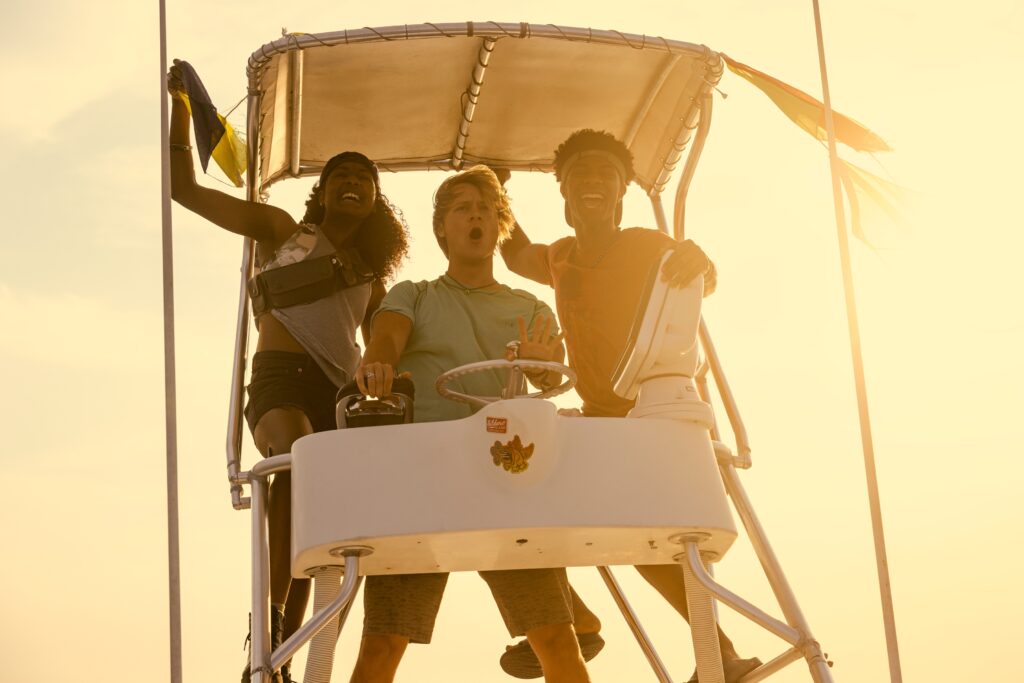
pixel 170 391
pixel 867 443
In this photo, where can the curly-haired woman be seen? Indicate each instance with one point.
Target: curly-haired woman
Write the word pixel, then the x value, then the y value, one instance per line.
pixel 317 281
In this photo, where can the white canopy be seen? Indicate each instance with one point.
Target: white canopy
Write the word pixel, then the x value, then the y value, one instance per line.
pixel 448 95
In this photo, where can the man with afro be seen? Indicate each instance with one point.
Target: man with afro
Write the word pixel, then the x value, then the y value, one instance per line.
pixel 599 275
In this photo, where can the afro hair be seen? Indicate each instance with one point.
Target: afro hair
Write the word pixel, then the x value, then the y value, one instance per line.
pixel 587 140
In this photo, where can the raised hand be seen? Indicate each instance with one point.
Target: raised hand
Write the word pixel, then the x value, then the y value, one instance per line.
pixel 175 86
pixel 503 174
pixel 541 344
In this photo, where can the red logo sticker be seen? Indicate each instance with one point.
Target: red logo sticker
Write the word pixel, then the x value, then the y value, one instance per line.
pixel 498 425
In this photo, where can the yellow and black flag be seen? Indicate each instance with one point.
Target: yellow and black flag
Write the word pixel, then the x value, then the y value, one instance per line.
pixel 214 135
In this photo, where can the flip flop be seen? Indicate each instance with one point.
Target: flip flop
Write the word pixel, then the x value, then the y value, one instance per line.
pixel 520 661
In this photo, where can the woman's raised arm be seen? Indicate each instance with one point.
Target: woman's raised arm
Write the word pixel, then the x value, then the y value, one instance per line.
pixel 262 222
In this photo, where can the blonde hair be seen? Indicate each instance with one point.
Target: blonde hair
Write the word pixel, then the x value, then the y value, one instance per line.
pixel 482 178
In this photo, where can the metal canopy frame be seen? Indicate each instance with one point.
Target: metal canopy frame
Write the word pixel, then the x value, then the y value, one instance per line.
pixel 279 75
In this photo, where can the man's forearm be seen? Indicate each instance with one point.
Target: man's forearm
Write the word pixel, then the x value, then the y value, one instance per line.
pixel 382 349
pixel 513 246
pixel 387 342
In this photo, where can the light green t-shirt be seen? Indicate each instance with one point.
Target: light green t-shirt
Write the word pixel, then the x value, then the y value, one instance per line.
pixel 452 326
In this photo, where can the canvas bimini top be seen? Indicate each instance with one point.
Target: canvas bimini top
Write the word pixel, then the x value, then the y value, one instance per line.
pixel 446 96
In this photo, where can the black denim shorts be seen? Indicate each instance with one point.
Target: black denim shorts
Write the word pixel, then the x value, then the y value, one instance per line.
pixel 283 379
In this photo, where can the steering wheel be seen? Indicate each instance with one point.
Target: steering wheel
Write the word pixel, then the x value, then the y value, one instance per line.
pixel 515 368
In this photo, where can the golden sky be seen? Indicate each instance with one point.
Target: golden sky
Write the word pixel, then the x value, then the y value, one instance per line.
pixel 82 514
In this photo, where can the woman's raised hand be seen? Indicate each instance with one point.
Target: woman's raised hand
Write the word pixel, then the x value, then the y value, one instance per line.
pixel 175 85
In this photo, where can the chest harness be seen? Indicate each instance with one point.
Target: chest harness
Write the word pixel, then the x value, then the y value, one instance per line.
pixel 307 281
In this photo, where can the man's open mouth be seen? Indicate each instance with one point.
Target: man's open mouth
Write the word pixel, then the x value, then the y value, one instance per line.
pixel 476 233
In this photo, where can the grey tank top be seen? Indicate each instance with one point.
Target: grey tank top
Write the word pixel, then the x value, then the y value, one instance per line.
pixel 326 328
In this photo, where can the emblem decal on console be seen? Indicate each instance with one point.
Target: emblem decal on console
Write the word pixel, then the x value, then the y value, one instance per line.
pixel 513 456
pixel 498 425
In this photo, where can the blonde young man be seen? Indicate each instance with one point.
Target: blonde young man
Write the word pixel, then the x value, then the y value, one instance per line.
pixel 422 329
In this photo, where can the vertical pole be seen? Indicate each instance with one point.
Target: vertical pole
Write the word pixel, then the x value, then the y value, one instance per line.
pixel 867 444
pixel 259 630
pixel 170 391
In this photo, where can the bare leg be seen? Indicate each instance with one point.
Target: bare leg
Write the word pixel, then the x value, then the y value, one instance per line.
pixel 275 433
pixel 379 657
pixel 583 620
pixel 520 658
pixel 667 579
pixel 295 607
pixel 559 653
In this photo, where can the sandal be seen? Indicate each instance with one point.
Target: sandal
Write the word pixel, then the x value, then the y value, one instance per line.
pixel 520 661
pixel 276 636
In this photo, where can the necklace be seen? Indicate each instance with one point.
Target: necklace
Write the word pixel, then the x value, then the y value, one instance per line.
pixel 458 285
pixel 593 257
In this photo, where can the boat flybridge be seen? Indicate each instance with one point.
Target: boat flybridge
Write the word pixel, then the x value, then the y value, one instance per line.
pixel 517 484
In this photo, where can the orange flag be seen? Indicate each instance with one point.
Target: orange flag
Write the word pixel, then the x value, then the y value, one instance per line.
pixel 807 112
pixel 886 200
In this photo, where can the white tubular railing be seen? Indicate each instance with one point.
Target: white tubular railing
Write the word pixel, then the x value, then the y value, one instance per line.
pixel 683 189
pixel 703 623
pixel 320 660
pixel 259 646
pixel 349 585
pixel 263 661
pixel 233 445
pixel 642 639
pixel 234 436
pixel 732 411
pixel 296 65
pixel 796 625
pixel 472 97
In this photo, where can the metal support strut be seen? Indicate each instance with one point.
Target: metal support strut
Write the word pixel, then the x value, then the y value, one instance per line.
pixel 703 623
pixel 634 625
pixel 472 97
pixel 263 662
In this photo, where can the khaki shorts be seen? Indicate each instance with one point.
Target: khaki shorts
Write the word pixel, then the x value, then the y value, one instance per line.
pixel 407 604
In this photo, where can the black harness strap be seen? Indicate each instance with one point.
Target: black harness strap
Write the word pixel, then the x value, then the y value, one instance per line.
pixel 307 281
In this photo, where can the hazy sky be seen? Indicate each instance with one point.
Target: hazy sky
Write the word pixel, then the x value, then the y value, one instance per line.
pixel 82 514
